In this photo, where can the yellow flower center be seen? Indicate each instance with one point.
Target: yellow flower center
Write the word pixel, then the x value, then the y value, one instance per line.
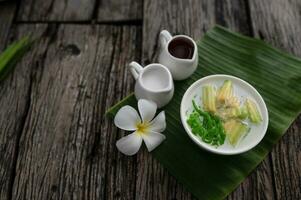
pixel 142 128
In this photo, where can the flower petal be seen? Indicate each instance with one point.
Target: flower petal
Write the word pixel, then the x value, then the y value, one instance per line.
pixel 130 144
pixel 147 109
pixel 152 139
pixel 127 118
pixel 159 123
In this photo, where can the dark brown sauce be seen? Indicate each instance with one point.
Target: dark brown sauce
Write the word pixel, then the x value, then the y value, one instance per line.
pixel 181 48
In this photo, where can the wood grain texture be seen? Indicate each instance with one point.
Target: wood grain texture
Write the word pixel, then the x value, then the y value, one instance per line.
pixel 195 18
pixel 120 10
pixel 56 143
pixel 56 10
pixel 278 23
pixel 286 161
pixel 190 17
pixel 259 185
pixel 7 13
pixel 14 102
pixel 67 148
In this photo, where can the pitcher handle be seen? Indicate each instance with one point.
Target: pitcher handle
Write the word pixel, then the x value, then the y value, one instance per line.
pixel 165 36
pixel 135 69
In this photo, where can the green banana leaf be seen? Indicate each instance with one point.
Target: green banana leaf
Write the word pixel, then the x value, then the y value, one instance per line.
pixel 277 77
pixel 12 54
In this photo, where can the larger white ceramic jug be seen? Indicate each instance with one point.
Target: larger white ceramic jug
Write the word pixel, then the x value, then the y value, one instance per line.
pixel 153 82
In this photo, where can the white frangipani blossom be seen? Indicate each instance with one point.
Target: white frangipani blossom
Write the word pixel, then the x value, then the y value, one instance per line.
pixel 147 128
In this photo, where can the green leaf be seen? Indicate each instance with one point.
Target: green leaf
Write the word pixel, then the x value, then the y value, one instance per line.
pixel 12 55
pixel 273 73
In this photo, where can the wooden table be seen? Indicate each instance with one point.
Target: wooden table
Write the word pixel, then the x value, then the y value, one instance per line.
pixel 55 142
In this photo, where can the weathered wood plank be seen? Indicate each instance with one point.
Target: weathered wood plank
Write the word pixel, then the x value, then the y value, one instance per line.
pixel 189 17
pixel 50 147
pixel 56 10
pixel 259 185
pixel 67 148
pixel 193 18
pixel 10 116
pixel 7 13
pixel 278 22
pixel 120 171
pixel 286 160
pixel 116 10
pixel 14 102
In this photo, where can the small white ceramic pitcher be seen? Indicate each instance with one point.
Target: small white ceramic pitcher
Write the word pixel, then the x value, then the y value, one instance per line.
pixel 180 68
pixel 153 82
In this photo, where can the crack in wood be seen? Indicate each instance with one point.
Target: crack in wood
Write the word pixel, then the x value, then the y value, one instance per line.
pixel 115 36
pixel 260 34
pixel 16 151
pixel 273 176
pixel 249 18
pixel 219 12
pixel 23 119
pixel 94 14
pixel 86 22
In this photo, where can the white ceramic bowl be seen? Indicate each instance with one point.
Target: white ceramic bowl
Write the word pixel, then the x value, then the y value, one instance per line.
pixel 242 90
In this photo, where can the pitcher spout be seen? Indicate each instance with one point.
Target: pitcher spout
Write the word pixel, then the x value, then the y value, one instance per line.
pixel 167 89
pixel 170 86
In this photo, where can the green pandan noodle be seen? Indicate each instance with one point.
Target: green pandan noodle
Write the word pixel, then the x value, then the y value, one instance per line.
pixel 207 126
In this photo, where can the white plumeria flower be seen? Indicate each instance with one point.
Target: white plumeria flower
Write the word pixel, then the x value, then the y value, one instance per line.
pixel 146 128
